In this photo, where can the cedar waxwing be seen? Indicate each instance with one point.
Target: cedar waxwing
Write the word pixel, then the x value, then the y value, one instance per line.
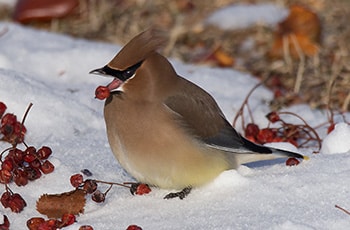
pixel 163 129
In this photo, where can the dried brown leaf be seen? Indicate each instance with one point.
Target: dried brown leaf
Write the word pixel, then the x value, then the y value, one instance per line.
pixel 302 25
pixel 55 205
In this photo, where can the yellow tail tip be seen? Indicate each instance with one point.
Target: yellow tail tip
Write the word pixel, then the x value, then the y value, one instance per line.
pixel 306 158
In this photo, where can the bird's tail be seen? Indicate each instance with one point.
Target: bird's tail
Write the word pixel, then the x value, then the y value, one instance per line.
pixel 254 152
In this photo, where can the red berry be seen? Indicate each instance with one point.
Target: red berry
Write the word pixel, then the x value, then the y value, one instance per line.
pixel 20 177
pixel 90 186
pixel 30 150
pixel 68 219
pixel 251 130
pixel 6 224
pixel 7 130
pixel 5 176
pixel 134 227
pixel 17 203
pixel 34 223
pixel 98 196
pixel 19 132
pixel 29 158
pixel 47 167
pixel 2 108
pixel 35 163
pixel 9 119
pixel 292 161
pixel 102 92
pixel 17 155
pixel 266 135
pixel 142 189
pixel 76 180
pixel 49 225
pixel 330 128
pixel 278 93
pixel 5 198
pixel 273 117
pixel 86 227
pixel 33 173
pixel 7 164
pixel 44 152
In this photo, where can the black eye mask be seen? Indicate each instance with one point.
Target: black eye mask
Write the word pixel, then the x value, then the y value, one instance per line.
pixel 123 75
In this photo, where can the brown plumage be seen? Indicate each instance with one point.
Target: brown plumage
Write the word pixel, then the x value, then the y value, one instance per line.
pixel 165 130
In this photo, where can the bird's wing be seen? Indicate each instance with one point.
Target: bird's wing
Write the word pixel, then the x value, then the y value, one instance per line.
pixel 200 115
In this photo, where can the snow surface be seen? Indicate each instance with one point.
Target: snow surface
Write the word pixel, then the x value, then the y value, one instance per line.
pixel 7 2
pixel 239 16
pixel 336 142
pixel 51 71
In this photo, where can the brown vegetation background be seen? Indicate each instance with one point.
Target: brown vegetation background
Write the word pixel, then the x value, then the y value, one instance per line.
pixel 321 80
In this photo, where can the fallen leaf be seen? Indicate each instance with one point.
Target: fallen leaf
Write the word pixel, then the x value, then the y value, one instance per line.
pixel 223 59
pixel 55 205
pixel 301 28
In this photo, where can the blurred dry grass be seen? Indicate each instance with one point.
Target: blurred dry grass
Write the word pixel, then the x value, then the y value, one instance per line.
pixel 325 79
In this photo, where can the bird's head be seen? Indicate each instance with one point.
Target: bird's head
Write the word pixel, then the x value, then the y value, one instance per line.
pixel 135 54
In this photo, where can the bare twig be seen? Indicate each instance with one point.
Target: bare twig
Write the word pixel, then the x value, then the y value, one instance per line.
pixel 318 139
pixel 286 54
pixel 301 67
pixel 343 209
pixel 23 120
pixel 346 103
pixel 245 103
pixel 112 183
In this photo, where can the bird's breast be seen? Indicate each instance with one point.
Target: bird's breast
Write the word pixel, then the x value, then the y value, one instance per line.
pixel 150 144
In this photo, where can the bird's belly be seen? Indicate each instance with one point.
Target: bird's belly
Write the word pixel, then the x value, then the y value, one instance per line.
pixel 170 166
pixel 155 150
pixel 164 163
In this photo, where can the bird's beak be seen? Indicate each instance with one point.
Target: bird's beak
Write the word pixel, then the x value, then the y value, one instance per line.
pixel 99 71
pixel 116 83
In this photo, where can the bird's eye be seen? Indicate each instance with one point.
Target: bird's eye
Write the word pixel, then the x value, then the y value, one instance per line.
pixel 129 72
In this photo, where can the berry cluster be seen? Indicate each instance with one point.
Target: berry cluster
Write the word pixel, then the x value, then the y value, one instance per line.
pixel 11 200
pixel 16 165
pixel 39 223
pixel 90 187
pixel 298 135
pixel 24 166
pixel 11 130
pixel 286 133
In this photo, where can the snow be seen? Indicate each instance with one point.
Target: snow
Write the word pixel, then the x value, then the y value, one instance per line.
pixel 239 16
pixel 51 71
pixel 338 140
pixel 7 2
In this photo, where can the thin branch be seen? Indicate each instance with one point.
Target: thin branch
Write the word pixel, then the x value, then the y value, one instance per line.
pixel 343 209
pixel 245 102
pixel 301 67
pixel 112 183
pixel 346 103
pixel 286 54
pixel 306 125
